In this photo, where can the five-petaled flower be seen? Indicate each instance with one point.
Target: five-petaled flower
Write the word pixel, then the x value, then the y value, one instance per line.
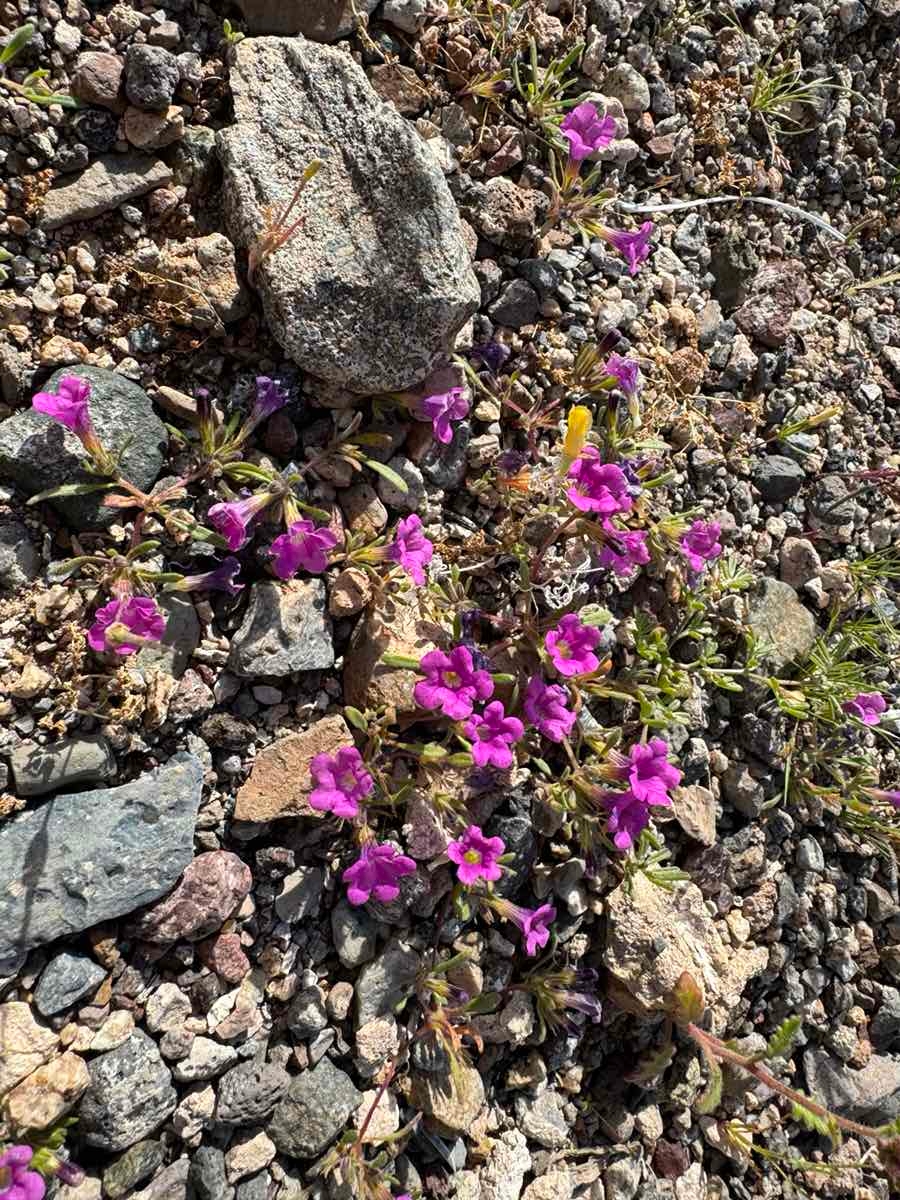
pixel 476 856
pixel 628 815
pixel 231 518
pixel 342 782
pixel 452 683
pixel 701 544
pixel 571 646
pixel 647 771
pixel 598 486
pixel 866 707
pixel 17 1182
pixel 411 548
pixel 545 707
pixel 375 873
pixel 125 625
pixel 492 733
pixel 304 545
pixel 624 549
pixel 586 131
pixel 633 246
pixel 442 408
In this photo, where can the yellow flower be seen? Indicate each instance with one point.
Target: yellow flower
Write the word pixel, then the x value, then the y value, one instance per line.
pixel 578 426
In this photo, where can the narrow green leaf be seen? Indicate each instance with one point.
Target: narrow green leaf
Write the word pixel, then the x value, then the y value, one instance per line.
pixel 58 571
pixel 827 1126
pixel 356 718
pixel 400 660
pixel 389 474
pixel 711 1097
pixel 16 44
pixel 489 1002
pixel 70 489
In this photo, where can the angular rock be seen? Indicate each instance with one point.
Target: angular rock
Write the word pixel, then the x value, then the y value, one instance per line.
pixel 354 932
pixel 280 783
pixel 137 1164
pixel 313 1111
pixel 225 955
pixel 871 1095
pixel 112 180
pixel 694 808
pixel 206 264
pixel 211 888
pixel 66 979
pixel 45 1097
pixel 301 895
pixel 130 1095
pixel 247 1154
pixel 378 222
pixel 38 769
pixel 26 1044
pixel 37 453
pixel 249 1092
pixel 173 651
pixel 206 1174
pixel 779 289
pixel 205 1060
pixel 169 1184
pixel 92 856
pixel 167 1008
pixel 777 478
pixel 151 77
pixel 777 616
pixel 319 20
pixel 153 130
pixel 541 1119
pixel 452 1101
pixel 383 983
pixel 285 629
pixel 97 78
pixel 397 627
pixel 20 562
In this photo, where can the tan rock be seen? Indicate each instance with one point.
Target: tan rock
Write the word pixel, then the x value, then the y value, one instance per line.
pixel 248 1154
pixel 206 265
pixel 350 592
pixel 396 628
pixel 400 86
pixel 48 1093
pixel 280 783
pixel 694 808
pixel 31 681
pixel 453 1101
pixel 26 1045
pixel 116 1029
pixel 385 1119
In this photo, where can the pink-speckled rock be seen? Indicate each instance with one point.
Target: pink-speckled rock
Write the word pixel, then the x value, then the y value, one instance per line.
pixel 208 892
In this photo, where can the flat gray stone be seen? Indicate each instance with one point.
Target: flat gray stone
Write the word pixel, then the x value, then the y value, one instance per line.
pixel 65 980
pixel 80 760
pixel 301 895
pixel 379 225
pixel 92 856
pixel 110 181
pixel 314 1111
pixel 383 983
pixel 130 1095
pixel 172 653
pixel 38 453
pixel 871 1095
pixel 286 628
pixel 248 1093
pixel 321 20
pixel 776 616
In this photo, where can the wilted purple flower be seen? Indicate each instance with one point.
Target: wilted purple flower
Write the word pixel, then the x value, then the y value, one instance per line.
pixel 375 873
pixel 492 733
pixel 304 545
pixel 599 487
pixel 232 517
pixel 647 771
pixel 624 371
pixel 441 409
pixel 342 782
pixel 571 646
pixel 866 707
pixel 586 131
pixel 633 246
pixel 137 616
pixel 411 548
pixel 625 550
pixel 219 579
pixel 545 708
pixel 452 683
pixel 628 815
pixel 270 396
pixel 17 1182
pixel 582 996
pixel 701 544
pixel 492 354
pixel 476 856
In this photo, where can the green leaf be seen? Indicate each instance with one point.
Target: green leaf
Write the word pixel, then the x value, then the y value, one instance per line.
pixel 16 44
pixel 389 474
pixel 687 1000
pixel 356 718
pixel 826 1125
pixel 48 98
pixel 489 1002
pixel 782 1039
pixel 400 660
pixel 70 489
pixel 711 1097
pixel 58 571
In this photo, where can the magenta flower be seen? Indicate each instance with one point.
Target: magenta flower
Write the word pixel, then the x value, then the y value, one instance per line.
pixel 476 856
pixel 302 546
pixel 375 873
pixel 625 550
pixel 270 396
pixel 441 409
pixel 342 782
pixel 16 1181
pixel 571 646
pixel 69 405
pixel 885 796
pixel 411 548
pixel 452 683
pixel 545 708
pixel 624 371
pixel 634 247
pixel 628 815
pixel 648 772
pixel 534 924
pixel 599 487
pixel 866 707
pixel 232 517
pixel 701 544
pixel 586 131
pixel 491 734
pixel 125 625
pixel 586 1000
pixel 219 579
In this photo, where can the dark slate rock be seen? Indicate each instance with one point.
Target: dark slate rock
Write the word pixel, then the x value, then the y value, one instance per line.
pixel 285 629
pixel 517 305
pixel 130 1095
pixel 871 1095
pixel 20 562
pixel 206 1174
pixel 151 77
pixel 172 653
pixel 383 983
pixel 778 477
pixel 445 466
pixel 80 760
pixel 137 1164
pixel 256 1188
pixel 93 856
pixel 65 980
pixel 314 1111
pixel 249 1092
pixel 37 453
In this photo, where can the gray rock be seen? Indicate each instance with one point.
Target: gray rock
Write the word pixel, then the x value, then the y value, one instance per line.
pixel 810 856
pixel 622 1179
pixel 743 791
pixel 205 1060
pixel 248 1093
pixel 112 180
pixel 20 562
pixel 871 1095
pixel 379 223
pixel 383 983
pixel 136 1164
pixel 540 274
pixel 319 20
pixel 778 290
pixel 65 980
pixel 151 77
pixel 314 1111
pixel 93 856
pixel 169 1184
pixel 256 1188
pixel 194 159
pixel 38 769
pixel 410 500
pixel 206 1174
pixel 306 1016
pixel 690 239
pixel 37 453
pixel 353 931
pixel 624 83
pixel 517 305
pixel 777 478
pixel 172 653
pixel 541 1119
pixel 777 616
pixel 408 15
pixel 286 628
pixel 445 466
pixel 130 1095
pixel 884 1028
pixel 301 895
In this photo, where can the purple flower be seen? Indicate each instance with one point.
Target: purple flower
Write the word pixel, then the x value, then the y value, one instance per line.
pixel 624 371
pixel 701 544
pixel 867 707
pixel 302 546
pixel 599 487
pixel 625 550
pixel 16 1181
pixel 411 548
pixel 492 354
pixel 269 398
pixel 571 646
pixel 232 517
pixel 648 772
pixel 219 579
pixel 452 683
pixel 886 796
pixel 69 405
pixel 534 924
pixel 586 131
pixel 492 733
pixel 634 247
pixel 585 1000
pixel 476 856
pixel 627 816
pixel 545 708
pixel 342 782
pixel 441 409
pixel 114 622
pixel 375 873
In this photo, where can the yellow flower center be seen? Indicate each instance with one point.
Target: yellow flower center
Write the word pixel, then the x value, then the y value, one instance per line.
pixel 563 649
pixel 472 856
pixel 451 679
